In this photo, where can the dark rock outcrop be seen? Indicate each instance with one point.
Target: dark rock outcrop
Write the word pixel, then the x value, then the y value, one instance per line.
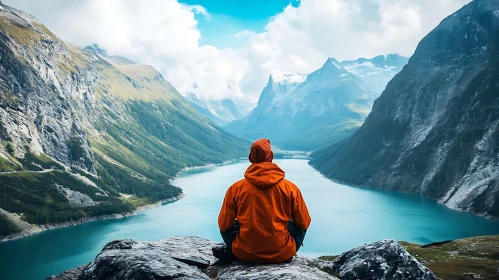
pixel 69 274
pixel 191 258
pixel 435 129
pixel 298 268
pixel 384 259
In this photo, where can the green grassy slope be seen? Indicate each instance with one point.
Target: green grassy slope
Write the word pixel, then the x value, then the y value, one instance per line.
pixel 461 259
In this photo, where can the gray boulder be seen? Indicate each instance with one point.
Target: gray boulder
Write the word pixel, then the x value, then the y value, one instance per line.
pixel 299 268
pixel 129 259
pixel 190 250
pixel 191 258
pixel 379 260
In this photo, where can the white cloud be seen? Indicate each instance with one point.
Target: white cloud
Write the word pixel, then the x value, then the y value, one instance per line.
pixel 299 39
pixel 165 34
pixel 198 9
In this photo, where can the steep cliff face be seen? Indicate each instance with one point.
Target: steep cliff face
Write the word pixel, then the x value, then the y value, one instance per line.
pixel 434 130
pixel 39 88
pixel 78 123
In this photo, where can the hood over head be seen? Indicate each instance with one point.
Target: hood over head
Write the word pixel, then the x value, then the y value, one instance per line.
pixel 261 151
pixel 264 174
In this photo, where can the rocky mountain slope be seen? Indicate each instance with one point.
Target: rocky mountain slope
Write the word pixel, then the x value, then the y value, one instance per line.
pixel 191 258
pixel 220 111
pixel 435 129
pixel 84 134
pixel 303 114
pixel 376 72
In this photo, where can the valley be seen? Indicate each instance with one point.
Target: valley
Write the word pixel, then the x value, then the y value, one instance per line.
pixel 78 122
pixel 306 112
pixel 97 146
pixel 343 217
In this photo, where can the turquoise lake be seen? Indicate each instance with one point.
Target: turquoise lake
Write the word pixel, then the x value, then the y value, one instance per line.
pixel 342 218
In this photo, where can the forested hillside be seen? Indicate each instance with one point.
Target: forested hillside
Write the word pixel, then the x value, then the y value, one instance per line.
pixel 85 134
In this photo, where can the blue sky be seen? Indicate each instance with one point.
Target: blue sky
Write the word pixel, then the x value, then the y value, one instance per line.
pixel 229 17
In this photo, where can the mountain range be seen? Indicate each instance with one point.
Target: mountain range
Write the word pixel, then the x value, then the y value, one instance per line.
pixel 435 129
pixel 376 72
pixel 84 134
pixel 221 111
pixel 305 112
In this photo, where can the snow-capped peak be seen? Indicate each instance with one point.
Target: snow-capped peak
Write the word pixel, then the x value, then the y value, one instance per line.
pixel 286 78
pixel 332 60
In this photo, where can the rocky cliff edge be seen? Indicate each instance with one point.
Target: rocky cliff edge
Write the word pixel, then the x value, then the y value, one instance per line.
pixel 191 258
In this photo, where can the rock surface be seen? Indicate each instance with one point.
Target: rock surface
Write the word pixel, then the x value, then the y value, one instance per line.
pixel 298 268
pixel 184 257
pixel 90 133
pixel 69 274
pixel 304 114
pixel 384 259
pixel 434 131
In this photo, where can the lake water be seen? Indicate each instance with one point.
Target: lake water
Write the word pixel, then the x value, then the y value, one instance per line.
pixel 342 218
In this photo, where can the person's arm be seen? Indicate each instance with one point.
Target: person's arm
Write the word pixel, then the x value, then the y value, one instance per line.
pixel 228 212
pixel 301 217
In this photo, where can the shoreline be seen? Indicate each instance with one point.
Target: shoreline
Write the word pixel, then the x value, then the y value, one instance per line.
pixel 35 229
pixel 185 169
pixel 481 215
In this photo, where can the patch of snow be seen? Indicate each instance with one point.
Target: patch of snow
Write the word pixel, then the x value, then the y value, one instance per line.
pixel 1 8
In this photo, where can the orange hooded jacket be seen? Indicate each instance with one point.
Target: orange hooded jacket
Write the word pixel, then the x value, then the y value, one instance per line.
pixel 263 203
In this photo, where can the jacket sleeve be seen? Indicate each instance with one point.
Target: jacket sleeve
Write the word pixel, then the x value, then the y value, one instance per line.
pixel 228 212
pixel 301 217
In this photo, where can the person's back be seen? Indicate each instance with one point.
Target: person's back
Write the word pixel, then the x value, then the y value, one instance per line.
pixel 263 217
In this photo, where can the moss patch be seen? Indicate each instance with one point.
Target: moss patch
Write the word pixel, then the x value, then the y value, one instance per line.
pixel 461 258
pixel 22 35
pixel 328 258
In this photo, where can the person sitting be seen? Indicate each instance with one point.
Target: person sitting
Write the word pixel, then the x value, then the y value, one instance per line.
pixel 264 217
